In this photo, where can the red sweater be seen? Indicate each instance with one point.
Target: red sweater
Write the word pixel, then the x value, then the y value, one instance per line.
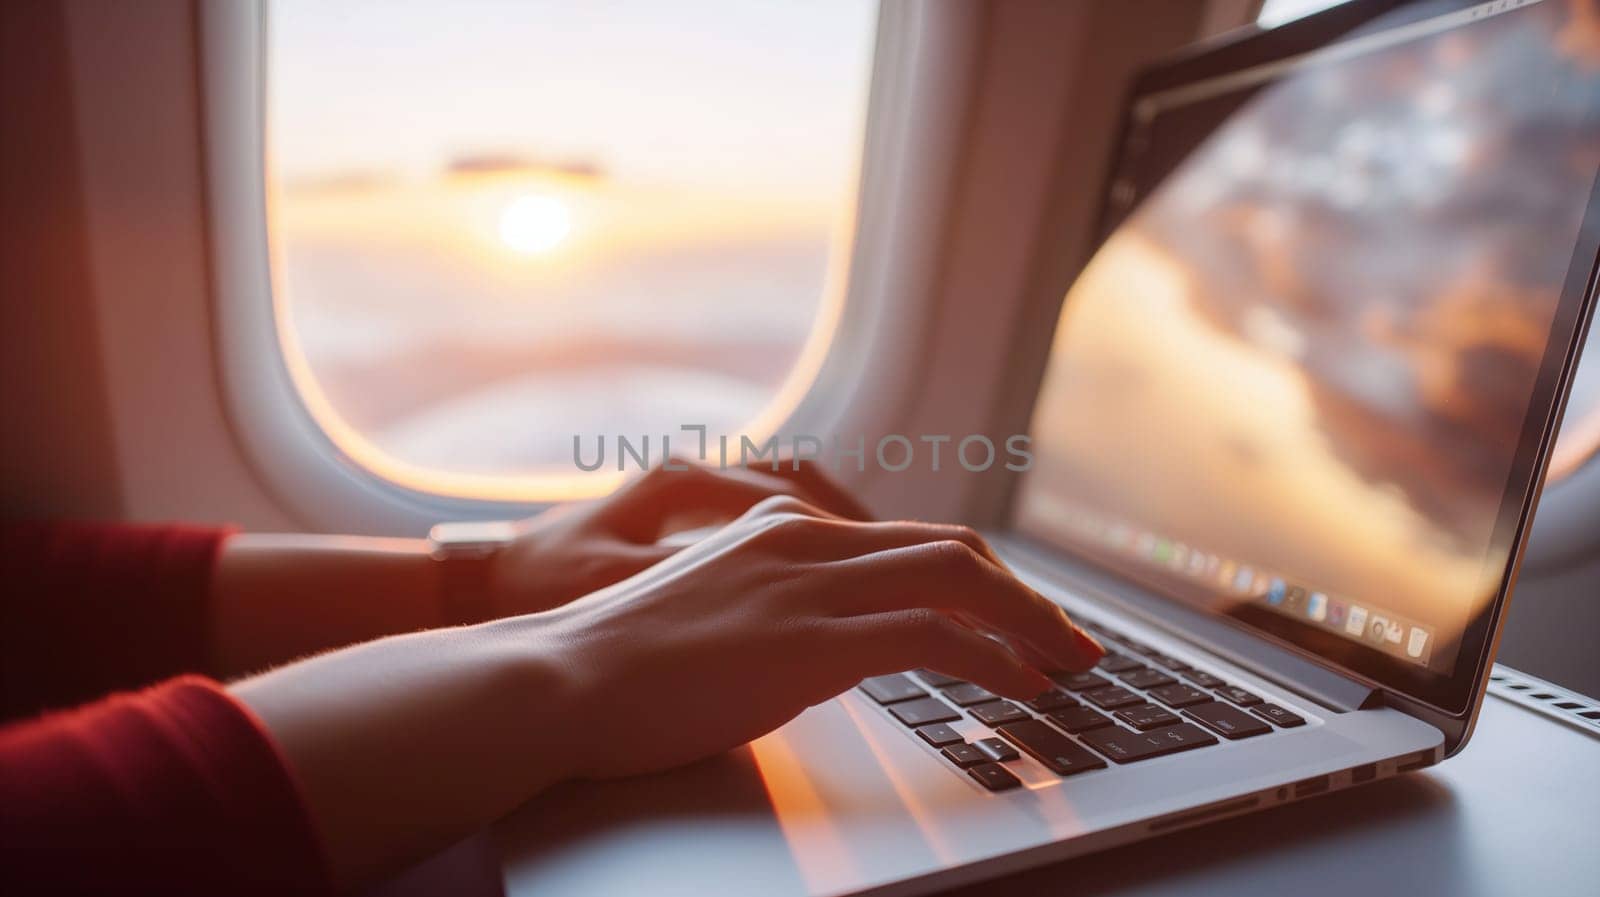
pixel 176 789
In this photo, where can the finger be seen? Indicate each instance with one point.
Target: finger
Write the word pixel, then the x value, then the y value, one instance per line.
pixel 639 511
pixel 627 559
pixel 836 539
pixel 747 481
pixel 1029 654
pixel 875 644
pixel 952 577
pixel 810 538
pixel 826 492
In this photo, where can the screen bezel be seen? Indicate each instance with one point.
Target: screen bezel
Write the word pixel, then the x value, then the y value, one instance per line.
pixel 1454 694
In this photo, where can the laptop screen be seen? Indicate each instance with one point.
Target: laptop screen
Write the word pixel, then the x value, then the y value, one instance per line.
pixel 1307 379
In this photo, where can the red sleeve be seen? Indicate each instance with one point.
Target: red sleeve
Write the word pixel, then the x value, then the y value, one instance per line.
pixel 87 609
pixel 176 790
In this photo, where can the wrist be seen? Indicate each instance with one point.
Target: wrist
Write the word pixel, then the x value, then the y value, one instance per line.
pixel 405 744
pixel 278 597
pixel 537 694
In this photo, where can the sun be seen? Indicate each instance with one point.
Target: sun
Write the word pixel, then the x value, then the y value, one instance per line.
pixel 533 224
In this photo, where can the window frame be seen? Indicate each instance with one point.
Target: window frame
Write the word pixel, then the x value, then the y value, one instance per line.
pixel 284 442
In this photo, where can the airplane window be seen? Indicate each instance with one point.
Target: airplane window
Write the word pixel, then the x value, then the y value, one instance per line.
pixel 496 226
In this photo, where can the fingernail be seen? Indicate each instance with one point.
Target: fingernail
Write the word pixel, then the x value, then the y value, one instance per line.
pixel 1087 643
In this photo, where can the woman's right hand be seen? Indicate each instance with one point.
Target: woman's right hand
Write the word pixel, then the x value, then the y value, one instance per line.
pixel 784 608
pixel 406 743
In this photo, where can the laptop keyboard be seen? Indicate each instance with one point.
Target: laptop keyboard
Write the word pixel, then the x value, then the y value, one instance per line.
pixel 1137 704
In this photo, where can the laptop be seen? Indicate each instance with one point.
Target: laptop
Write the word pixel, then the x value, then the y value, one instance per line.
pixel 1287 449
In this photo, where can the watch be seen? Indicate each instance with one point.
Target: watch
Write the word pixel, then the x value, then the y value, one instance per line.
pixel 463 551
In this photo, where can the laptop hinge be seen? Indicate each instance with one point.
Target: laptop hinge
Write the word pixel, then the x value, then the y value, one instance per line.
pixel 1329 688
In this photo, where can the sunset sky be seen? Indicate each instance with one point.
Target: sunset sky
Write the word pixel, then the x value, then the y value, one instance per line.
pixel 724 93
pixel 498 224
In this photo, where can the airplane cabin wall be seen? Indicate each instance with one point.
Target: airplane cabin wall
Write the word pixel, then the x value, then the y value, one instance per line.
pixel 57 457
pixel 111 349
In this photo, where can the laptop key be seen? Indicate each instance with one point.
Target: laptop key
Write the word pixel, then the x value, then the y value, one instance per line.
pixel 1112 697
pixel 1147 716
pixel 1179 695
pixel 1238 695
pixel 939 735
pixel 1051 700
pixel 994 777
pixel 938 680
pixel 1204 679
pixel 1060 754
pixel 1124 746
pixel 996 749
pixel 923 711
pixel 1118 663
pixel 1162 660
pixel 967 694
pixel 997 713
pixel 1276 714
pixel 891 688
pixel 1078 719
pixel 1147 678
pixel 1227 720
pixel 964 755
pixel 1080 681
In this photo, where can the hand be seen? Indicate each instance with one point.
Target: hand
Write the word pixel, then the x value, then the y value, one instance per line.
pixel 570 551
pixel 784 609
pixel 404 744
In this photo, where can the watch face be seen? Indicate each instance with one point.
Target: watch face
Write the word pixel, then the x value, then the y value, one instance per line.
pixel 471 536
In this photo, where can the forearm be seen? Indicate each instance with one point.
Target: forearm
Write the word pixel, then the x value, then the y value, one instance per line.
pixel 405 745
pixel 275 598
